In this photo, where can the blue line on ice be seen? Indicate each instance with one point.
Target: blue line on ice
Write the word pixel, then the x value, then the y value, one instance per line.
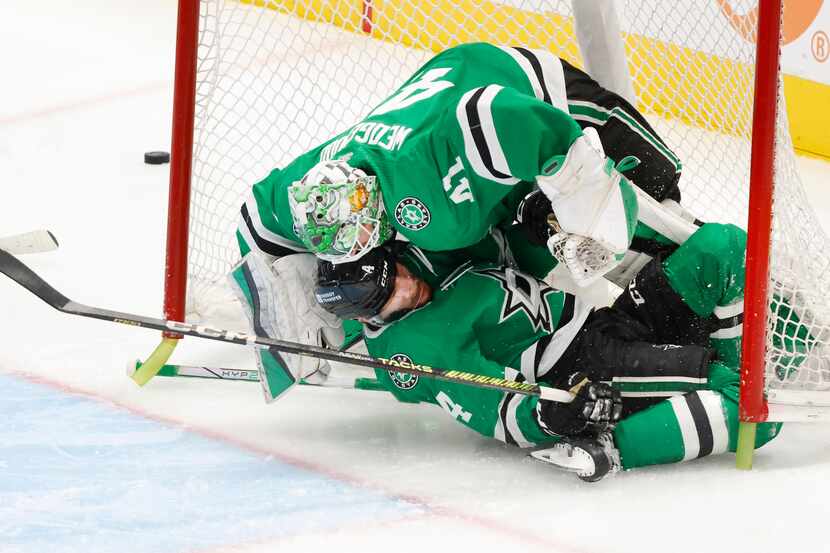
pixel 77 475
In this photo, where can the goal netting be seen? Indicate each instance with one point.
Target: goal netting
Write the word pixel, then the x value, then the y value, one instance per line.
pixel 277 77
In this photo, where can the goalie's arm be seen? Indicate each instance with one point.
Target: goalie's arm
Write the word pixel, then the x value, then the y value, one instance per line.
pixel 508 137
pixel 261 224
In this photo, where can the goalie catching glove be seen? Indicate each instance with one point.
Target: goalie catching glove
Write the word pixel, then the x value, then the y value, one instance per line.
pixel 596 408
pixel 585 258
pixel 590 197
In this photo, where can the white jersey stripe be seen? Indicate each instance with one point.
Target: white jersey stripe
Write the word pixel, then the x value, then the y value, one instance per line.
pixel 528 360
pixel 691 441
pixel 243 229
pixel 511 374
pixel 652 394
pixel 513 422
pixel 525 66
pixel 727 333
pixel 715 412
pixel 264 233
pixel 647 379
pixel 471 148
pixel 553 76
pixel 488 126
pixel 729 311
pixel 498 431
pixel 563 337
pixel 588 119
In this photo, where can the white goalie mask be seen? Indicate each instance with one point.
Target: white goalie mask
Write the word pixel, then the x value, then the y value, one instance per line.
pixel 338 211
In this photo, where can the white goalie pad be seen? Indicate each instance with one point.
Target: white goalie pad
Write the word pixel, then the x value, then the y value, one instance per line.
pixel 279 303
pixel 299 318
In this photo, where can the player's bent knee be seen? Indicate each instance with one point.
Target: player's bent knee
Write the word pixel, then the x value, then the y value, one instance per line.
pixel 727 382
pixel 721 241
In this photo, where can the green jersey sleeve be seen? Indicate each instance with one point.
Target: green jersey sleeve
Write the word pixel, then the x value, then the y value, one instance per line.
pixel 265 221
pixel 506 136
pixel 449 187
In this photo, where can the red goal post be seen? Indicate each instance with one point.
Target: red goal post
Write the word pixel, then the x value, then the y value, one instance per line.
pixel 181 161
pixel 753 406
pixel 260 81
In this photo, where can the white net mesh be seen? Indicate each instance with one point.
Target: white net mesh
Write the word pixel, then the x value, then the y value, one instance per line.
pixel 277 79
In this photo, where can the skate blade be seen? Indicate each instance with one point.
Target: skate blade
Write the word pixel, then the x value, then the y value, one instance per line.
pixel 561 458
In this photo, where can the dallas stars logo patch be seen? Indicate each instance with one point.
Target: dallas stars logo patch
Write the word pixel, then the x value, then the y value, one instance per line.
pixel 523 294
pixel 411 213
pixel 404 381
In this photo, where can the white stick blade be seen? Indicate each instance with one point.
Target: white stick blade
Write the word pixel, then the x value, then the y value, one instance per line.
pixel 36 241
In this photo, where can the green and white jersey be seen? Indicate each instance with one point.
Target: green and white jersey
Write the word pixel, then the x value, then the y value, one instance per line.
pixel 454 149
pixel 491 321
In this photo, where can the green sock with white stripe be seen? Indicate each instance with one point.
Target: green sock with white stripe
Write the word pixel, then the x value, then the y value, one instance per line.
pixel 678 429
pixel 687 427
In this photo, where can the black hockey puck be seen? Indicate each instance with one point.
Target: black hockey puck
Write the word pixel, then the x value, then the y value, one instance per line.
pixel 156 158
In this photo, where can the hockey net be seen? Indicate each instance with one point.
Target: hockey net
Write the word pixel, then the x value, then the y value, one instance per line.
pixel 275 78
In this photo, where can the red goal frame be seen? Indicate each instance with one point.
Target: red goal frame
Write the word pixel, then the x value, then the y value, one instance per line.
pixel 753 407
pixel 181 162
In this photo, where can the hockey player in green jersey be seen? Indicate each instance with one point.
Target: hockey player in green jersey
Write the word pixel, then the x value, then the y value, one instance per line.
pixel 664 357
pixel 451 154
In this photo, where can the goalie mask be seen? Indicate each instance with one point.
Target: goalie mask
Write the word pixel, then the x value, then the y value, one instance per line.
pixel 357 290
pixel 338 212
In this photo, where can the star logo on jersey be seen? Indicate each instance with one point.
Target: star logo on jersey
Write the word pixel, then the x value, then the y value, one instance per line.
pixel 411 213
pixel 523 294
pixel 404 381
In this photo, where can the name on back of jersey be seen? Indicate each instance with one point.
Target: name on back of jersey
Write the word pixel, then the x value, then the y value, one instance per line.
pixel 388 137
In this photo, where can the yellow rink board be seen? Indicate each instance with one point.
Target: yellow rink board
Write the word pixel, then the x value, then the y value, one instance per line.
pixel 414 24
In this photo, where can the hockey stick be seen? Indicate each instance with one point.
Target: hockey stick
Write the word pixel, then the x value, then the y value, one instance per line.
pixel 36 241
pixel 662 219
pixel 252 375
pixel 24 276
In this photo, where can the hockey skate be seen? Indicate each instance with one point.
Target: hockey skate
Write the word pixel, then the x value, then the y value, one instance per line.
pixel 590 459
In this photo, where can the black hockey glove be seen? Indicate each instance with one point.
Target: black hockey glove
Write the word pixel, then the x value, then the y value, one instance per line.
pixel 596 408
pixel 535 216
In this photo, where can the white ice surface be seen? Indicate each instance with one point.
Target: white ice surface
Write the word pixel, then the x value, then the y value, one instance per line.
pixel 86 90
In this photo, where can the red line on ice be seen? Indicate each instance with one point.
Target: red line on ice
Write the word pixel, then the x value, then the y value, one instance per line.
pixel 428 504
pixel 83 103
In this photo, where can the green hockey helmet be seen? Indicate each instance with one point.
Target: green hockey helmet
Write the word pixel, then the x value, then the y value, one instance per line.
pixel 338 211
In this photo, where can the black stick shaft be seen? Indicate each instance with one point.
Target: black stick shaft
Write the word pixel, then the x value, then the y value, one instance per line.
pixel 23 275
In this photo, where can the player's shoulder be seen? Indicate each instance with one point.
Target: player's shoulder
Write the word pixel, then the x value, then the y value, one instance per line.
pixel 296 168
pixel 467 285
pixel 484 279
pixel 468 51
